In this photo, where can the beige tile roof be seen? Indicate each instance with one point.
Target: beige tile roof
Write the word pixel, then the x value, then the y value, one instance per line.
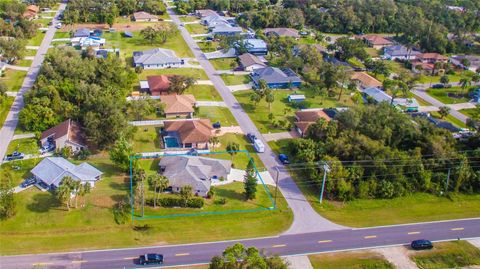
pixel 365 79
pixel 191 131
pixel 178 104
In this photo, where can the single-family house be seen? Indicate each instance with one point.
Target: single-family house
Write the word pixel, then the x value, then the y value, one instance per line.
pixel 404 104
pixel 364 80
pixel 81 32
pixel 178 105
pixel 66 134
pixel 427 62
pixel 336 62
pixel 226 30
pixel 156 59
pixel 195 171
pixel 305 118
pixel 250 62
pixel 103 53
pixel 467 62
pixel 52 170
pixel 319 48
pixel 194 133
pixel 155 85
pixel 31 12
pixel 85 42
pixel 216 20
pixel 202 13
pixel 283 32
pixel 256 46
pixel 376 41
pixel 142 16
pixel 276 77
pixel 399 52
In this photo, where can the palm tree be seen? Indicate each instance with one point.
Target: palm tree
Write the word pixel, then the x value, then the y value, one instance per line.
pixel 186 194
pixel 270 98
pixel 64 191
pixel 475 78
pixel 214 141
pixel 84 190
pixel 76 185
pixel 464 83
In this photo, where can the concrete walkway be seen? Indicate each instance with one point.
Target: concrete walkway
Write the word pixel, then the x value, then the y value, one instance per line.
pixel 427 108
pixel 462 106
pixel 11 94
pixel 154 122
pixel 201 35
pixel 32 47
pixel 204 82
pixel 228 130
pixel 241 87
pixel 298 262
pixel 61 39
pixel 18 68
pixel 279 136
pixel 398 256
pixel 235 73
pixel 475 242
pixel 231 53
pixel 211 103
pixel 23 136
pixel 30 58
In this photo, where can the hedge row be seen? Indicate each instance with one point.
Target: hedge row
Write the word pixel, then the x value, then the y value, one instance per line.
pixel 195 202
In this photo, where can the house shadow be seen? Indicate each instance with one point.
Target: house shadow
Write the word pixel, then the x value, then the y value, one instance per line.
pixel 43 202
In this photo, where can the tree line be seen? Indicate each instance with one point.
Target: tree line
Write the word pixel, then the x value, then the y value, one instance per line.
pixel 374 151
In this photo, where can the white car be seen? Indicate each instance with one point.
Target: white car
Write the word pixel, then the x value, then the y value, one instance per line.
pixel 58 25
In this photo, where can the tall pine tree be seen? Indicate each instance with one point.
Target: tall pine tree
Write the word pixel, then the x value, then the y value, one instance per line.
pixel 250 181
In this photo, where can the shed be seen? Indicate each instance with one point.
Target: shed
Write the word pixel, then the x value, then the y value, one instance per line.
pixel 296 98
pixel 128 34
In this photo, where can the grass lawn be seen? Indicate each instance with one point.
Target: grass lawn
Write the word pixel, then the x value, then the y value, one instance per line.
pixel 208 46
pixel 221 114
pixel 42 225
pixel 13 79
pixel 137 43
pixel 37 39
pixel 240 159
pixel 188 18
pixel 146 139
pixel 450 119
pixel 436 79
pixel 223 63
pixel 281 109
pixel 417 207
pixel 470 112
pixel 355 62
pixel 196 29
pixel 204 93
pixel 372 52
pixel 454 254
pixel 453 95
pixel 350 260
pixel 24 63
pixel 30 52
pixel 197 73
pixel 5 108
pixel 25 145
pixel 59 34
pixel 235 79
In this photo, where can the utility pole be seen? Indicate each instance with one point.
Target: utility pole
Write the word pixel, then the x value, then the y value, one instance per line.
pixel 326 169
pixel 448 179
pixel 276 188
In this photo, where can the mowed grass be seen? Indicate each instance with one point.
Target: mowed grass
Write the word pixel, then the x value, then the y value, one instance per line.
pixel 204 93
pixel 43 225
pixel 235 79
pixel 442 95
pixel 13 79
pixel 196 73
pixel 450 119
pixel 416 207
pixel 146 139
pixel 59 34
pixel 208 46
pixel 5 108
pixel 137 43
pixel 454 254
pixel 37 39
pixel 350 260
pixel 223 63
pixel 196 28
pixel 220 114
pixel 25 145
pixel 281 109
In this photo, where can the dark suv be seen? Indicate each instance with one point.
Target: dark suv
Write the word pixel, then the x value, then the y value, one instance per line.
pixel 421 244
pixel 150 258
pixel 15 156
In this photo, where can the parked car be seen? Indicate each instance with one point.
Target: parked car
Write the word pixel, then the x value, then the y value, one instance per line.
pixel 182 24
pixel 251 137
pixel 27 182
pixel 58 25
pixel 47 148
pixel 283 159
pixel 258 145
pixel 15 156
pixel 150 258
pixel 437 86
pixel 421 244
pixel 43 185
pixel 216 125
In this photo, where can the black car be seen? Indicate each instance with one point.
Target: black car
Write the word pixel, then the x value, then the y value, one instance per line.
pixel 251 137
pixel 15 156
pixel 28 182
pixel 421 244
pixel 150 258
pixel 216 125
pixel 438 86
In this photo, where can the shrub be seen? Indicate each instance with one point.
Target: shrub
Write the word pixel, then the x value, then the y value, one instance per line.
pixel 195 202
pixel 221 201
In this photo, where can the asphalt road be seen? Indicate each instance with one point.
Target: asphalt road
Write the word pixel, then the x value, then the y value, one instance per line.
pixel 8 128
pixel 304 214
pixel 284 245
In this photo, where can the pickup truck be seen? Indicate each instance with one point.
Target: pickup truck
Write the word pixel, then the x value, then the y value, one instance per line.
pixel 15 156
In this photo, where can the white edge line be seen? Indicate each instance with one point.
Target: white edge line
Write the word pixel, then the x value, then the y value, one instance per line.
pixel 414 223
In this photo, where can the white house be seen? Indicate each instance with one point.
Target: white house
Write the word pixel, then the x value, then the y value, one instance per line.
pixel 157 59
pixel 399 52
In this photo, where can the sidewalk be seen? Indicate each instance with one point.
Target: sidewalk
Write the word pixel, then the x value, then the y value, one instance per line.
pixel 240 87
pixel 211 103
pixel 279 136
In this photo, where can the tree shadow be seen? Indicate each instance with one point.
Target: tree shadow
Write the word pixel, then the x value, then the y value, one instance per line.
pixel 118 186
pixel 43 202
pixel 118 197
pixel 230 194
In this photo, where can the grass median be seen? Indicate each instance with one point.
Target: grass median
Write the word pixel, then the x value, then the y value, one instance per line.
pixel 455 254
pixel 350 260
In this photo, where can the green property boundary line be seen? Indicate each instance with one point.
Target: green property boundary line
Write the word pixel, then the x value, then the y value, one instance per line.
pixel 145 217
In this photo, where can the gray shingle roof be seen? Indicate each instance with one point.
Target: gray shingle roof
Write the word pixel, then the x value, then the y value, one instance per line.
pixel 82 32
pixel 155 56
pixel 399 50
pixel 275 75
pixel 194 170
pixel 248 59
pixel 52 170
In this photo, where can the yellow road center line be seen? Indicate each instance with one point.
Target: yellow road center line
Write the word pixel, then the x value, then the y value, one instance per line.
pixel 182 254
pixel 324 241
pixel 42 263
pixel 413 232
pixel 457 229
pixel 129 258
pixel 370 236
pixel 279 246
pixel 79 261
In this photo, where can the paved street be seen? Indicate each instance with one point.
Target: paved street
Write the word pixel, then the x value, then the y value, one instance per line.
pixel 305 217
pixel 285 245
pixel 6 133
pixel 423 94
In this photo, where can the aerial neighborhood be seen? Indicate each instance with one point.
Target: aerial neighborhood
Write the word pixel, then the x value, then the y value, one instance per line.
pixel 134 124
